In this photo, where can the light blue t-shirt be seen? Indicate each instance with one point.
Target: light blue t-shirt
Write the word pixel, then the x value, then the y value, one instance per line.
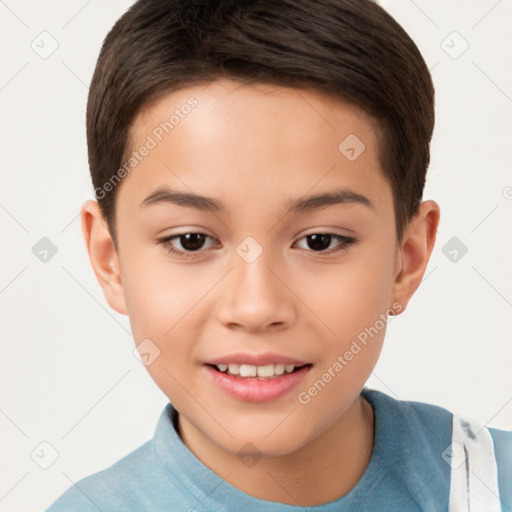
pixel 410 470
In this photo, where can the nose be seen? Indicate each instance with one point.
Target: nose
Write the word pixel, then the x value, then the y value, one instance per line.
pixel 256 297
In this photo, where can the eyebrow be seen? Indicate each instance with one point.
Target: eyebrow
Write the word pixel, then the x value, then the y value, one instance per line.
pixel 164 194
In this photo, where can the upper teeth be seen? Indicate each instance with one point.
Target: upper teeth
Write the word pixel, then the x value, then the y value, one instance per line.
pixel 248 370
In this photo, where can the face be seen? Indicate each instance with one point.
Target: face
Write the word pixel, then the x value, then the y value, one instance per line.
pixel 259 274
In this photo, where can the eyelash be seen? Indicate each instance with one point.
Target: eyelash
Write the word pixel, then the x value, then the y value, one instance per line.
pixel 346 242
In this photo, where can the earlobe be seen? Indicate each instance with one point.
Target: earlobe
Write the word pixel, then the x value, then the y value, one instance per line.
pixel 415 250
pixel 103 255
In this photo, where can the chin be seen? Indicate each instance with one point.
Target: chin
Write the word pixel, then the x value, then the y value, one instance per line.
pixel 268 435
pixel 262 447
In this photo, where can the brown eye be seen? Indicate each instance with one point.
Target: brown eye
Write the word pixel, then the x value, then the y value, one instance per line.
pixel 319 242
pixel 192 241
pixel 185 244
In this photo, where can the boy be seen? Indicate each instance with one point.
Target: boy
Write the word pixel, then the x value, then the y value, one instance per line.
pixel 259 168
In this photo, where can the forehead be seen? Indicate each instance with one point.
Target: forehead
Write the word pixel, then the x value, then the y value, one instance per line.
pixel 252 141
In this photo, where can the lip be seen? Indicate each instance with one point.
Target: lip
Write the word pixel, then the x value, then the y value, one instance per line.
pixel 261 359
pixel 254 389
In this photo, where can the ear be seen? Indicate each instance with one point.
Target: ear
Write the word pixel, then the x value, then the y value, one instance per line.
pixel 103 255
pixel 414 253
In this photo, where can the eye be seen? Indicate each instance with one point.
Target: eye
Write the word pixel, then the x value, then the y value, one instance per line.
pixel 192 242
pixel 321 241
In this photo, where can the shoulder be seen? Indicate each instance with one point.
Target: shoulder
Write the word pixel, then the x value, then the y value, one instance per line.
pixel 116 487
pixel 502 440
pixel 503 443
pixel 410 417
pixel 436 422
pixel 412 436
pixel 468 454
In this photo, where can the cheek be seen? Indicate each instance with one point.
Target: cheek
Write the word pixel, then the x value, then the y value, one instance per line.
pixel 354 306
pixel 164 306
pixel 355 295
pixel 160 296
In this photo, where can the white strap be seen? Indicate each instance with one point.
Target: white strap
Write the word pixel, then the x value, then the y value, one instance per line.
pixel 474 474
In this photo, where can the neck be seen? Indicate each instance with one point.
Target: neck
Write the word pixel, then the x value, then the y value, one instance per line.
pixel 303 477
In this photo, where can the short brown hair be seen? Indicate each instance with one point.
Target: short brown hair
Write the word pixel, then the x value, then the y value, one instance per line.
pixel 350 49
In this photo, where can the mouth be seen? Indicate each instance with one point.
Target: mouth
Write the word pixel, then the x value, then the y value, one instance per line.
pixel 248 371
pixel 256 383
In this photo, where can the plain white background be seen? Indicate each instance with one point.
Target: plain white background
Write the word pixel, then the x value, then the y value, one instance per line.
pixel 68 376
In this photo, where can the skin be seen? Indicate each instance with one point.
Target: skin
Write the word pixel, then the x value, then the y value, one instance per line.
pixel 255 147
